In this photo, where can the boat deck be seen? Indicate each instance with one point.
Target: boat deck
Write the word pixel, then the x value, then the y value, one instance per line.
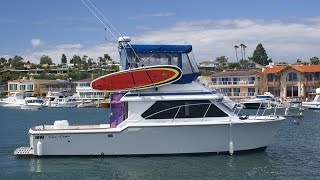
pixel 71 127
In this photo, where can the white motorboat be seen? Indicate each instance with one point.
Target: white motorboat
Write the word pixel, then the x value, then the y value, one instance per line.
pixel 33 103
pixel 15 99
pixel 184 117
pixel 315 104
pixel 61 99
pixel 267 100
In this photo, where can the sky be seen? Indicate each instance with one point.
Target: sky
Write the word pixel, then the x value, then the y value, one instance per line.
pixel 287 29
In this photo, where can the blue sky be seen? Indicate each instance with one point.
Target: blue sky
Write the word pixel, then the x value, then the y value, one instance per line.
pixel 288 29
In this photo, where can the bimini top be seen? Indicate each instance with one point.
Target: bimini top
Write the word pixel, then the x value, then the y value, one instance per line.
pixel 162 48
pixel 135 56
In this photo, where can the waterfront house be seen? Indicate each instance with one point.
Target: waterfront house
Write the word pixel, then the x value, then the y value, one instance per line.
pixel 39 87
pixel 208 65
pixel 85 92
pixel 291 81
pixel 237 84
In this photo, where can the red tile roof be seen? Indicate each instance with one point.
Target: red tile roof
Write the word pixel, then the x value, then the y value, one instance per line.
pixel 306 68
pixel 300 68
pixel 274 69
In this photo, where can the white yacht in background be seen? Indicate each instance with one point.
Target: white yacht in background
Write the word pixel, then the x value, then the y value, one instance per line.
pixel 267 100
pixel 61 99
pixel 15 99
pixel 315 104
pixel 183 117
pixel 33 103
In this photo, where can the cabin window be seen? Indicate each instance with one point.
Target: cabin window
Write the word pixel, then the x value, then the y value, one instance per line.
pixel 183 109
pixel 182 60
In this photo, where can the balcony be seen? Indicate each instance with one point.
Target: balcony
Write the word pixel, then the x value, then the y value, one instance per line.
pixel 232 83
pixel 237 95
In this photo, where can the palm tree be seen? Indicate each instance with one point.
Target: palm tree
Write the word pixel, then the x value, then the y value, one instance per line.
pixel 241 48
pixel 243 52
pixel 236 48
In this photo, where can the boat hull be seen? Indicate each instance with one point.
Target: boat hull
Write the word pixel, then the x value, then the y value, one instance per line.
pixel 311 105
pixel 158 140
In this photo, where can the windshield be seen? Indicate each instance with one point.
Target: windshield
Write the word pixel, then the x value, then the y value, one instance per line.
pixel 183 61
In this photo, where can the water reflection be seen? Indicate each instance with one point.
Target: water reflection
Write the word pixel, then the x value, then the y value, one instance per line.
pixel 163 167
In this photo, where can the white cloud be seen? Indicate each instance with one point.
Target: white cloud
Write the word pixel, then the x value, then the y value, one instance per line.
pixel 36 42
pixel 158 14
pixel 210 39
pixel 283 41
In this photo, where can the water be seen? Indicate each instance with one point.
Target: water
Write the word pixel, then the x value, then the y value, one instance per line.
pixel 294 154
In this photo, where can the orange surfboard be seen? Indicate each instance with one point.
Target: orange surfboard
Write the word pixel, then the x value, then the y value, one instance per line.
pixel 138 78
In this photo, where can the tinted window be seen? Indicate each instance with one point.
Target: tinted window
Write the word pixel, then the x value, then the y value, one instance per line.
pixel 183 109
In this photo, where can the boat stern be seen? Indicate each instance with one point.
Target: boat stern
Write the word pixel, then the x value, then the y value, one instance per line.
pixel 27 151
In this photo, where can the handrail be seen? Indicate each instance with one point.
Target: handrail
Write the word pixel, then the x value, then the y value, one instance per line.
pixel 206 111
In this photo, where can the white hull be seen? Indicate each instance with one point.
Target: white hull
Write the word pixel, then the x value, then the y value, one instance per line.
pixel 311 105
pixel 14 105
pixel 62 105
pixel 165 139
pixel 32 107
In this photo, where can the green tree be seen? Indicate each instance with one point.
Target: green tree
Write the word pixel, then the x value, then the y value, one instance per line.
pixel 235 65
pixel 107 57
pixel 63 59
pixel 314 60
pixel 3 61
pixel 76 60
pixel 101 61
pixel 84 62
pixel 45 60
pixel 260 56
pixel 205 73
pixel 222 60
pixel 90 62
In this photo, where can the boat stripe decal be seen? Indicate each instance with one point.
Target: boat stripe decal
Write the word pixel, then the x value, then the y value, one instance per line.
pixel 168 94
pixel 176 71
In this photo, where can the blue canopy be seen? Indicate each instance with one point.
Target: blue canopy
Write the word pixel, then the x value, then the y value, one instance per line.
pixel 162 48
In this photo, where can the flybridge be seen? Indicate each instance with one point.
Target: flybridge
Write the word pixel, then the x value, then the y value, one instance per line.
pixel 135 56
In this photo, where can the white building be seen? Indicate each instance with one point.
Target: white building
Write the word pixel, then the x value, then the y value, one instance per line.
pixel 85 92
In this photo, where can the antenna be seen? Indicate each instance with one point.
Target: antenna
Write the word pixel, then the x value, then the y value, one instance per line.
pixel 99 19
pixel 109 23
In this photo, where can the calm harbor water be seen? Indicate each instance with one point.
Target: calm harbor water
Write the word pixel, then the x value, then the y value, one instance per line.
pixel 294 154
